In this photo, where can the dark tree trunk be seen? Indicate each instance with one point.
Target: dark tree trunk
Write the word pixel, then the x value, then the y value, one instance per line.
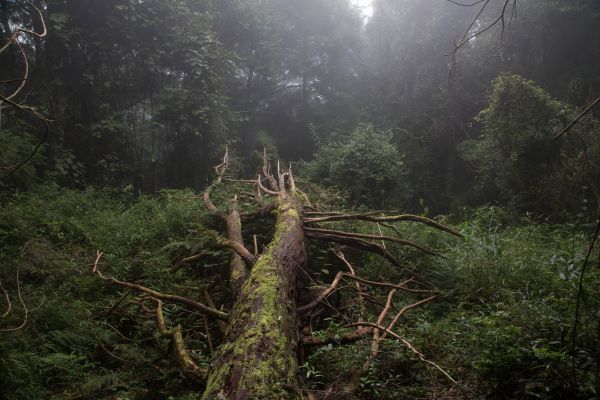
pixel 258 357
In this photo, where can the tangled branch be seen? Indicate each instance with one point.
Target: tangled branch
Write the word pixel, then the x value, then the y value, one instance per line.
pixel 500 20
pixel 158 295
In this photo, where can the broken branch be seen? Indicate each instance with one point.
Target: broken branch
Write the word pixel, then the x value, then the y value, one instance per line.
pixel 158 295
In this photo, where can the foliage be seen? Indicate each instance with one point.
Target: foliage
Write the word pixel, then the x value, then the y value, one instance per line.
pixel 51 235
pixel 365 164
pixel 517 160
pixel 506 323
pixel 14 148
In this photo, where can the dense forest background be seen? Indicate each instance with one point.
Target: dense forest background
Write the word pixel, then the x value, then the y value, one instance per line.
pixel 143 96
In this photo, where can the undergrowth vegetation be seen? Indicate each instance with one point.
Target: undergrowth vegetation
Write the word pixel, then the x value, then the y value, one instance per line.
pixel 501 325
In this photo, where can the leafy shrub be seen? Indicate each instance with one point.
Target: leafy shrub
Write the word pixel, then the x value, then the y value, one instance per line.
pixel 518 161
pixel 365 164
pixel 51 235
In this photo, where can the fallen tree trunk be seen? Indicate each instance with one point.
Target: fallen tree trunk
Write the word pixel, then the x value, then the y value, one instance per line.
pixel 269 327
pixel 258 357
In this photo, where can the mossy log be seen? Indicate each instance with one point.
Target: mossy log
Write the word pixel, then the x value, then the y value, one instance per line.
pixel 258 357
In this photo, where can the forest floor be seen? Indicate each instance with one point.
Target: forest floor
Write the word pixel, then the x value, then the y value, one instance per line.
pixel 502 325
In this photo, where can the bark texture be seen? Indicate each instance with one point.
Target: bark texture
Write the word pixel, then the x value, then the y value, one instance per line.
pixel 258 357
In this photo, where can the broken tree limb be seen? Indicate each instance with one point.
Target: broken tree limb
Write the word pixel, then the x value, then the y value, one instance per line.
pixel 25 309
pixel 351 337
pixel 391 218
pixel 374 237
pixel 185 360
pixel 220 323
pixel 576 120
pixel 356 243
pixel 419 355
pixel 324 294
pixel 333 286
pixel 158 295
pixel 338 253
pixel 188 260
pixel 266 168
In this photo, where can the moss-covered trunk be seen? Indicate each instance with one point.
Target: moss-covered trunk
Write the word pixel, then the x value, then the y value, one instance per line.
pixel 258 357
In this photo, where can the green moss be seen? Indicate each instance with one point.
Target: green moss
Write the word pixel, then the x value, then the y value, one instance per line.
pixel 262 347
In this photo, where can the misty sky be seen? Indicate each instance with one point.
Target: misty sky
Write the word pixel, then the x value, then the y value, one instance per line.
pixel 366 6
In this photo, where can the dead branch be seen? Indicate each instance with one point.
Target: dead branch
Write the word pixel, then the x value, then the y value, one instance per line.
pixel 188 260
pixel 374 237
pixel 265 211
pixel 407 308
pixel 240 249
pixel 338 253
pixel 15 35
pixel 391 218
pixel 25 310
pixel 8 303
pixel 501 19
pixel 220 171
pixel 464 4
pixel 326 293
pixel 266 168
pixel 221 324
pixel 158 295
pixel 357 374
pixel 119 333
pixel 348 338
pixel 265 189
pixel 356 243
pixel 401 286
pixel 291 179
pixel 332 287
pixel 14 39
pixel 184 358
pixel 576 120
pixel 419 355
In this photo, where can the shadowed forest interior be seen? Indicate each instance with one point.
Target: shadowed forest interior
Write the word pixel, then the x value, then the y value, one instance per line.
pixel 299 199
